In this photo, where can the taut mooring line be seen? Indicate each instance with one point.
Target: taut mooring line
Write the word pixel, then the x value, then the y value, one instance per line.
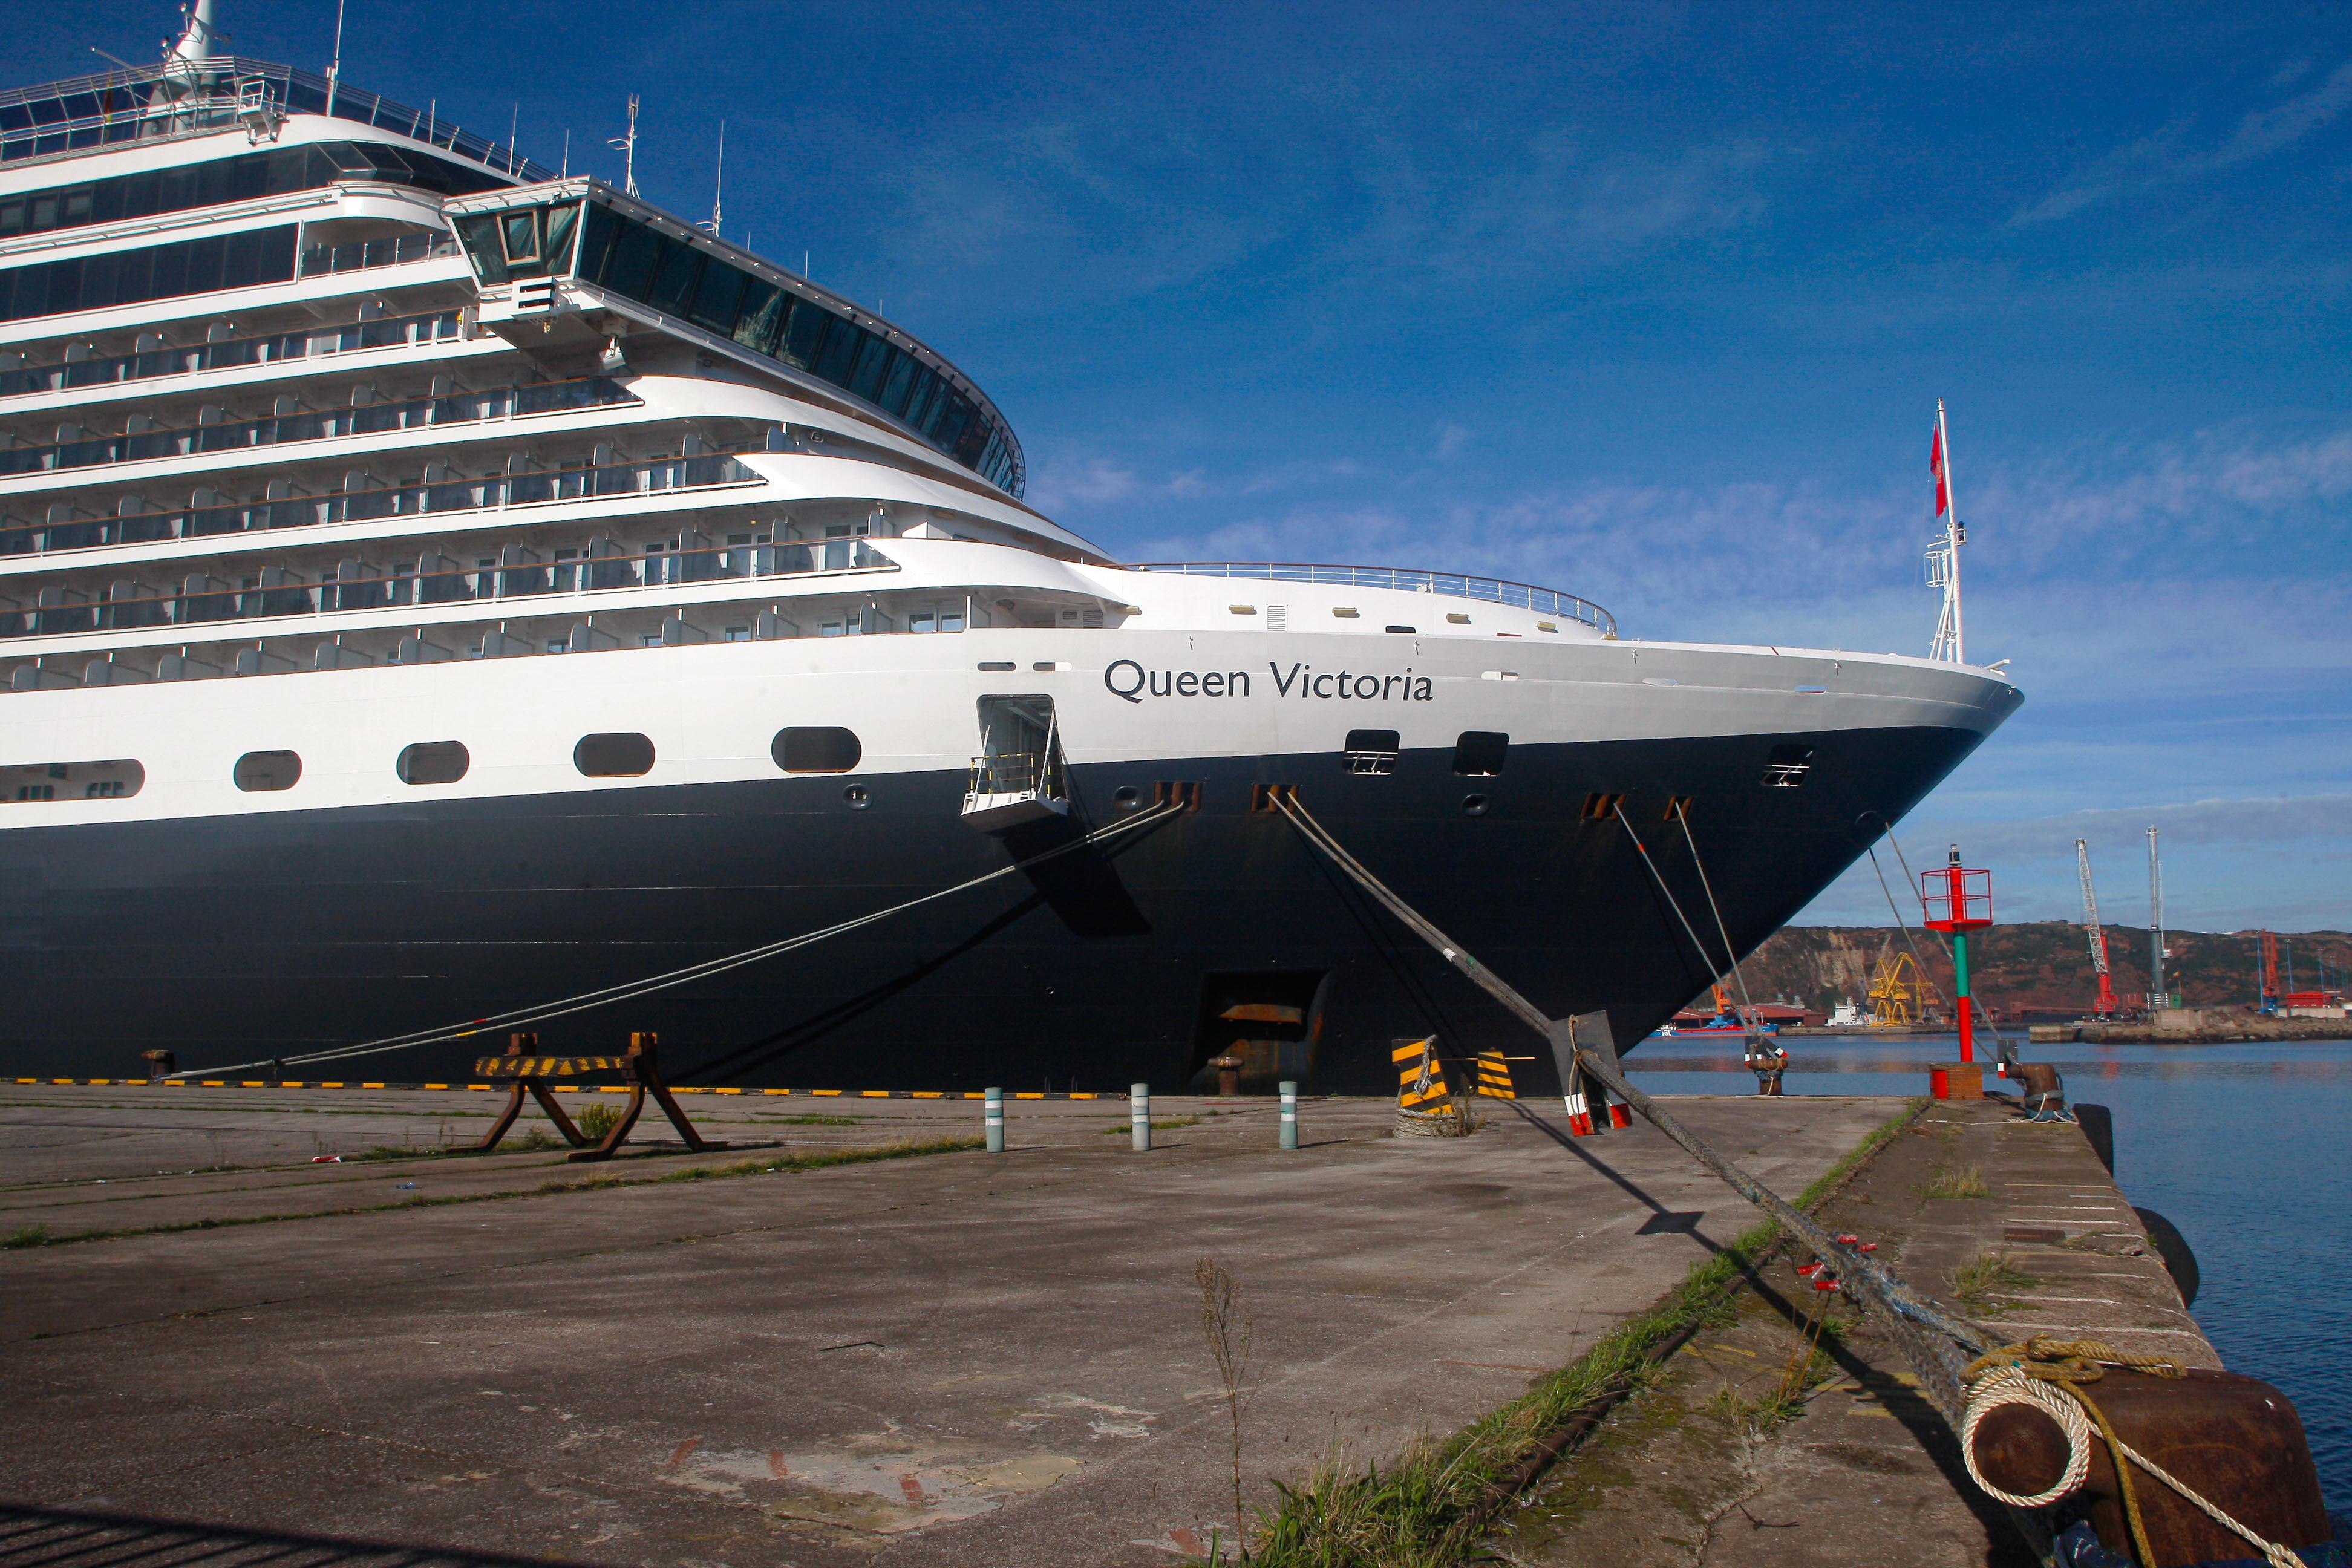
pixel 1934 1355
pixel 647 985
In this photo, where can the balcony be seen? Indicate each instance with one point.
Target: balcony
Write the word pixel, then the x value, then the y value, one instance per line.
pixel 388 332
pixel 495 493
pixel 518 577
pixel 316 425
pixel 1452 585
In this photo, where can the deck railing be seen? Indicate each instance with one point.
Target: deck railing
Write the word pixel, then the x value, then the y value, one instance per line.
pixel 227 353
pixel 318 424
pixel 517 576
pixel 488 494
pixel 1452 585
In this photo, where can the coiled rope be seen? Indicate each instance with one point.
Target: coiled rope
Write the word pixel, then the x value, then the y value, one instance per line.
pixel 645 985
pixel 2052 1375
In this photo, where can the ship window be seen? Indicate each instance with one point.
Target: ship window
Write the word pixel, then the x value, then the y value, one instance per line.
pixel 561 222
pixel 433 763
pixel 634 261
pixel 480 234
pixel 720 296
pixel 1369 752
pixel 625 755
pixel 815 749
pixel 1787 767
pixel 518 233
pixel 681 267
pixel 258 773
pixel 1479 754
pixel 32 783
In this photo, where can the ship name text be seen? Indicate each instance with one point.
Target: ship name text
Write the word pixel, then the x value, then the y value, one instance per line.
pixel 1131 682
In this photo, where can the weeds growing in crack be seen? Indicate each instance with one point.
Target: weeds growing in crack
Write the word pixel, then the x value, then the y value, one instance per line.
pixel 1979 1283
pixel 1226 1323
pixel 1954 1182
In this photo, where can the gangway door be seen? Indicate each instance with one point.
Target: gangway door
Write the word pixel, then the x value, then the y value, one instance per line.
pixel 1019 775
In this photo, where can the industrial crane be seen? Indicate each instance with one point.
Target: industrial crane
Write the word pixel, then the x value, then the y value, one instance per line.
pixel 2106 1006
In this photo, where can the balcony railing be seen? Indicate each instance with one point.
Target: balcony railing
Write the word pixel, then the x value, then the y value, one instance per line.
pixel 388 332
pixel 520 575
pixel 1490 590
pixel 318 424
pixel 180 99
pixel 394 500
pixel 389 251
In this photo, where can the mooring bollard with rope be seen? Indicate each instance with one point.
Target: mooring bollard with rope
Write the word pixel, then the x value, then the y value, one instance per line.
pixel 1956 1365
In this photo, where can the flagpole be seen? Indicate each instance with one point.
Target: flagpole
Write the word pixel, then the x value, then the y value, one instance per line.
pixel 1951 529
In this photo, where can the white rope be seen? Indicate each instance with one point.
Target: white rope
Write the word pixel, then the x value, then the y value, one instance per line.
pixel 628 990
pixel 2010 1387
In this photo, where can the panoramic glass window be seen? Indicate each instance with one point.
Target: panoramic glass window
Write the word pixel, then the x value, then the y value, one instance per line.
pixel 614 756
pixel 815 749
pixel 519 232
pixel 32 783
pixel 257 772
pixel 1479 754
pixel 433 763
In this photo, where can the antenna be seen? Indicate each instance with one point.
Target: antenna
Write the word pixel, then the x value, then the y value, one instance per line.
pixel 335 65
pixel 514 128
pixel 718 191
pixel 567 153
pixel 195 43
pixel 628 145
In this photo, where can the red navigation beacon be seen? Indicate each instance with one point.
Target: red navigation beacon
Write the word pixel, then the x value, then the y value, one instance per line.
pixel 1958 900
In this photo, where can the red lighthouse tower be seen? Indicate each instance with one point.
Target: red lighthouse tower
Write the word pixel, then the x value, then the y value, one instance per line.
pixel 1958 900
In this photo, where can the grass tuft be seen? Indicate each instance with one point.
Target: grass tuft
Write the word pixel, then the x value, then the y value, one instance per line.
pixel 1954 1182
pixel 1173 1121
pixel 1430 1508
pixel 1979 1283
pixel 596 1118
pixel 24 1237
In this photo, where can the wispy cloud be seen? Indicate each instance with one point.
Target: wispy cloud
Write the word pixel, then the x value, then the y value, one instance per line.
pixel 2170 153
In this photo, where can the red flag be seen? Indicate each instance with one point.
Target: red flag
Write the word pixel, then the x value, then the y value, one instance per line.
pixel 1935 467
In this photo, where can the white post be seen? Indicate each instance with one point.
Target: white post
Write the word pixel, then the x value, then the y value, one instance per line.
pixel 1952 533
pixel 1138 1115
pixel 992 1119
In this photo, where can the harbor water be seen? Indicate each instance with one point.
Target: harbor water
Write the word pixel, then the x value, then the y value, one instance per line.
pixel 2242 1146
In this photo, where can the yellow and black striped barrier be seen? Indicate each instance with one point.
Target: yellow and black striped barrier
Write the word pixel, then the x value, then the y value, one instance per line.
pixel 560 1088
pixel 1495 1075
pixel 1420 1076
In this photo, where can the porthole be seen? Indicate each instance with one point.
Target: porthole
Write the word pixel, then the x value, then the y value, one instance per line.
pixel 1126 797
pixel 258 773
pixel 623 754
pixel 1474 805
pixel 815 749
pixel 857 796
pixel 433 763
pixel 33 783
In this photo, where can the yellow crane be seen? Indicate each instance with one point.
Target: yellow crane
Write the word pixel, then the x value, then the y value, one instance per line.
pixel 1899 993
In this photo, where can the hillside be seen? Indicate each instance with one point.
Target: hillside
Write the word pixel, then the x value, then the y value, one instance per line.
pixel 2044 966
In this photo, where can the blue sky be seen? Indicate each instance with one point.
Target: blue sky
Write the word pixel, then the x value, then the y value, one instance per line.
pixel 1650 302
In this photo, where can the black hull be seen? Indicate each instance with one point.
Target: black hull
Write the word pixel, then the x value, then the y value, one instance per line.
pixel 231 939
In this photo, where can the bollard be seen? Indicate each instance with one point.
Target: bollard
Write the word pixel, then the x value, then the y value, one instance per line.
pixel 992 1116
pixel 1290 1114
pixel 1138 1115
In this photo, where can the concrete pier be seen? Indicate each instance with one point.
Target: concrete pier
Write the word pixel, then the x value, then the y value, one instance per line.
pixel 927 1357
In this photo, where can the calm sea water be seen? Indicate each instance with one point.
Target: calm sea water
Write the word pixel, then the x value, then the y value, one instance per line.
pixel 2247 1148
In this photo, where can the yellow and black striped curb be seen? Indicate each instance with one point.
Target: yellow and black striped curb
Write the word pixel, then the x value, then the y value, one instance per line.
pixel 1419 1078
pixel 557 1087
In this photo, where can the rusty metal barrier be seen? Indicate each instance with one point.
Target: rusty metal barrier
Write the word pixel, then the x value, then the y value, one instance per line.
pixel 528 1072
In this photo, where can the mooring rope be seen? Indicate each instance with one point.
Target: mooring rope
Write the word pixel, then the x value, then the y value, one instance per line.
pixel 1935 1358
pixel 1682 815
pixel 2052 1375
pixel 582 1001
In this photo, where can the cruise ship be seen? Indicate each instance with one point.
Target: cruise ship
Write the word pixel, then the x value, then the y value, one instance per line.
pixel 441 596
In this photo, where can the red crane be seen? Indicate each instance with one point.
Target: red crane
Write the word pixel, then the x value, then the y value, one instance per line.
pixel 2105 1005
